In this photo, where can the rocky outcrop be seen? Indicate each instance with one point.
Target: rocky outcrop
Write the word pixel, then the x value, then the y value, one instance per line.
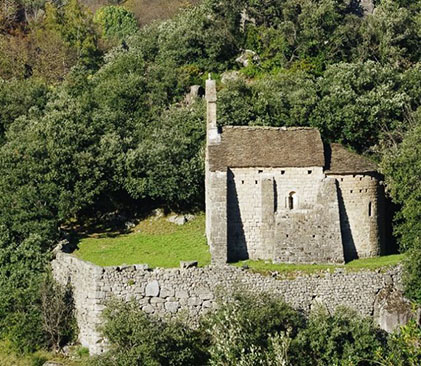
pixel 392 309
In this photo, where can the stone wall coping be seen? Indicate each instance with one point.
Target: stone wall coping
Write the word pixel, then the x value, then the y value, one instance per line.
pixel 297 274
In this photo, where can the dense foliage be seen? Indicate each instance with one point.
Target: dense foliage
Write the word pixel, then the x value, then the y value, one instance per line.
pixel 116 22
pixel 85 130
pixel 248 330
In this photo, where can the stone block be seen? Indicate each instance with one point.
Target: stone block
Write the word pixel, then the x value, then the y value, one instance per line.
pixel 157 300
pixel 181 294
pixel 148 309
pixel 141 267
pixel 167 292
pixel 194 301
pixel 188 264
pixel 152 289
pixel 172 306
pixel 207 304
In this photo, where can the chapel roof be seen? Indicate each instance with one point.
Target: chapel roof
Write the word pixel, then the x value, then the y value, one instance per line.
pixel 283 147
pixel 277 147
pixel 340 160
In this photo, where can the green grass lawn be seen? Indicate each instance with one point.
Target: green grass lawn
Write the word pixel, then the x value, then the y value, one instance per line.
pixel 154 241
pixel 359 264
pixel 159 243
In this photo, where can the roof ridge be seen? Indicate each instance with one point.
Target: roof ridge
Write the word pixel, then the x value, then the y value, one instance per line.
pixel 282 128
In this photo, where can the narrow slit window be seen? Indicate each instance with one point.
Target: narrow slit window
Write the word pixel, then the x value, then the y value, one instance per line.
pixel 370 209
pixel 292 201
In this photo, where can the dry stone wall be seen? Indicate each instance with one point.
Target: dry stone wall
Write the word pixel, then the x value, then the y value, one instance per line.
pixel 191 292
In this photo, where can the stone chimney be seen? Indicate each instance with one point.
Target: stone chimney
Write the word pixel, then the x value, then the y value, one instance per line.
pixel 213 136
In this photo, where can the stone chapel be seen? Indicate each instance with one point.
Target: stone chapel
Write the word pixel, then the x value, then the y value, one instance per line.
pixel 281 194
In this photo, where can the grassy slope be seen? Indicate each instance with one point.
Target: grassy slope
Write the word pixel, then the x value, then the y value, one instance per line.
pixel 156 242
pixel 160 243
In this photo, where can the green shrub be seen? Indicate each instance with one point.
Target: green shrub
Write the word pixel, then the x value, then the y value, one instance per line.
pixel 137 339
pixel 344 338
pixel 412 274
pixel 404 347
pixel 241 329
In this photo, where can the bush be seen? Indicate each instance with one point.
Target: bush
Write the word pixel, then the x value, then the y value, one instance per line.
pixel 244 327
pixel 59 323
pixel 137 339
pixel 343 338
pixel 404 347
pixel 412 274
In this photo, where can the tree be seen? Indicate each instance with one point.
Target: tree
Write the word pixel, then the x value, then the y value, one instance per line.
pixel 391 35
pixel 358 103
pixel 401 164
pixel 17 97
pixel 116 22
pixel 75 26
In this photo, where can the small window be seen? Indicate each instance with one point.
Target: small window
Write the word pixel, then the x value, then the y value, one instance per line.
pixel 287 235
pixel 361 178
pixel 292 201
pixel 255 181
pixel 282 172
pixel 242 182
pixel 309 171
pixel 361 191
pixel 342 179
pixel 370 209
pixel 260 171
pixel 314 236
pixel 351 191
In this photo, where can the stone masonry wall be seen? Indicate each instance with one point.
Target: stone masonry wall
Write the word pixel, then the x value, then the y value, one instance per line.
pixel 216 215
pixel 311 235
pixel 172 292
pixel 361 202
pixel 262 225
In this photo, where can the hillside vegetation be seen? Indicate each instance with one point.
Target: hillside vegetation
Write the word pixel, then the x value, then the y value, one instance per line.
pixel 93 117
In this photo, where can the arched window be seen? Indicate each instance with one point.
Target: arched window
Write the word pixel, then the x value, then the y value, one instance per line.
pixel 292 201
